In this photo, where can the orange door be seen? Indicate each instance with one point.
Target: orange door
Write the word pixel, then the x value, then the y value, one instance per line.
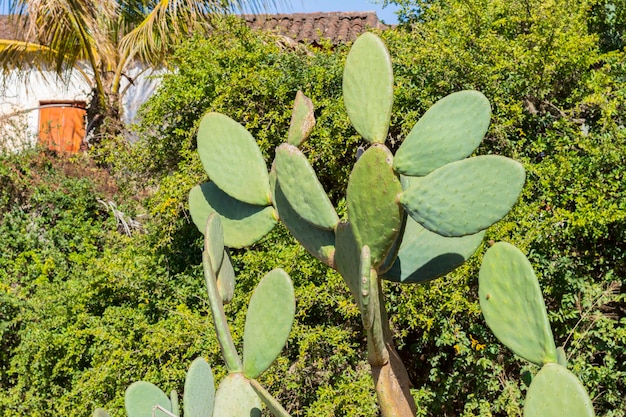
pixel 62 126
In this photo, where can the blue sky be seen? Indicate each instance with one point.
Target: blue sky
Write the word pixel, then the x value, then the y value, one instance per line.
pixel 386 14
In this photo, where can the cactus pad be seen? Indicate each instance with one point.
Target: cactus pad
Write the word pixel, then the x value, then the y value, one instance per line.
pixel 561 357
pixel 236 398
pixel 425 255
pixel 317 241
pixel 512 304
pixel 302 189
pixel 268 322
pixel 226 279
pixel 214 242
pixel 449 131
pixel 465 197
pixel 233 160
pixel 368 294
pixel 141 397
pixel 347 257
pixel 243 224
pixel 199 390
pixel 368 87
pixel 373 210
pixel 556 392
pixel 302 120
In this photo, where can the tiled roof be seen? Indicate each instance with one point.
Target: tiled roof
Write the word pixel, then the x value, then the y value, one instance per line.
pixel 8 28
pixel 338 27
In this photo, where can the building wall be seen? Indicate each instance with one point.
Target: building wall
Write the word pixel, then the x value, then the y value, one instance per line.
pixel 21 95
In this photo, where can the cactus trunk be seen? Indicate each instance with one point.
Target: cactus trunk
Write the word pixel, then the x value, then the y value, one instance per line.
pixel 393 387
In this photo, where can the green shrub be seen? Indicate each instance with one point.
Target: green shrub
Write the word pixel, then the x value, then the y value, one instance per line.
pixel 84 311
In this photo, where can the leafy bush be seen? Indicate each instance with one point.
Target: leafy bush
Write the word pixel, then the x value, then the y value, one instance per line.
pixel 85 310
pixel 549 84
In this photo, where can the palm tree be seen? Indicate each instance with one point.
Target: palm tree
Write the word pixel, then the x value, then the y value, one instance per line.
pixel 102 38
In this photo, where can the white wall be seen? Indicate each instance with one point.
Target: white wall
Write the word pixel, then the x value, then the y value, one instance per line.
pixel 20 95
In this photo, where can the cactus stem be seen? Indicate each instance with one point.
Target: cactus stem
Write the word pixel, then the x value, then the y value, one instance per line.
pixel 163 410
pixel 269 401
pixel 377 351
pixel 233 362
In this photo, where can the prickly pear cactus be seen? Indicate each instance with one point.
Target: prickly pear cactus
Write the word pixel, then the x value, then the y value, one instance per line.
pixel 422 212
pixel 411 217
pixel 268 324
pixel 513 307
pixel 512 304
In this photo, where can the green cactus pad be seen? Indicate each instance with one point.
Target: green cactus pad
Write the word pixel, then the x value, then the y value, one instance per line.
pixel 226 280
pixel 99 412
pixel 373 209
pixel 368 296
pixel 214 241
pixel 318 242
pixel 268 322
pixel 561 357
pixel 174 402
pixel 512 304
pixel 199 389
pixel 347 257
pixel 302 189
pixel 449 131
pixel 236 398
pixel 233 160
pixel 368 87
pixel 465 197
pixel 556 392
pixel 243 224
pixel 302 120
pixel 425 255
pixel 141 397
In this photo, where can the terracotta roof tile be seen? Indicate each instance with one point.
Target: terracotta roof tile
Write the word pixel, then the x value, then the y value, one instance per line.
pixel 338 27
pixel 8 28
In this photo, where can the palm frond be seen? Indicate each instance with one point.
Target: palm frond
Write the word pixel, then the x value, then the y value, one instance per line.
pixel 167 22
pixel 22 56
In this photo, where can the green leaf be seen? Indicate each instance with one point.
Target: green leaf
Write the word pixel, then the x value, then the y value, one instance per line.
pixel 425 255
pixel 449 131
pixel 556 392
pixel 233 160
pixel 302 120
pixel 302 189
pixel 243 224
pixel 268 322
pixel 368 87
pixel 235 398
pixel 372 200
pixel 199 392
pixel 512 304
pixel 465 197
pixel 141 398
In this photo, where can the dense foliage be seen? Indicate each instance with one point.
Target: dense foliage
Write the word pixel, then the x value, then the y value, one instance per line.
pixel 85 310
